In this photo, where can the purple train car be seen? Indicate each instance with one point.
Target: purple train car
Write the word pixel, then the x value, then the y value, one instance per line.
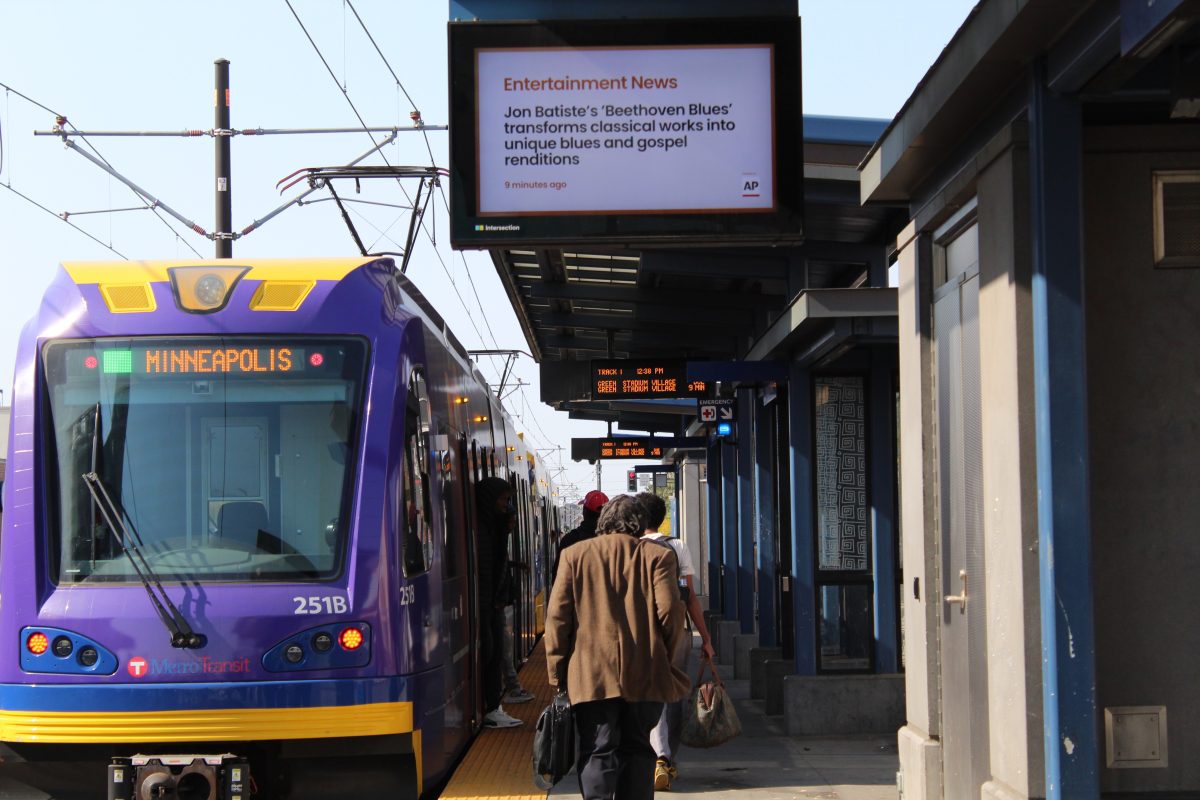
pixel 236 555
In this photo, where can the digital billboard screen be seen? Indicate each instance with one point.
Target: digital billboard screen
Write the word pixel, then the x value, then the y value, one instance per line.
pixel 625 131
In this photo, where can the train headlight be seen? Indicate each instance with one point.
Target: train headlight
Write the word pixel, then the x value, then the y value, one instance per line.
pixel 203 290
pixel 54 651
pixel 322 642
pixel 210 290
pixel 351 639
pixel 294 653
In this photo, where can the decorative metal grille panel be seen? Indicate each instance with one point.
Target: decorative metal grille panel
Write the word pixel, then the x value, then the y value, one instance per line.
pixel 841 468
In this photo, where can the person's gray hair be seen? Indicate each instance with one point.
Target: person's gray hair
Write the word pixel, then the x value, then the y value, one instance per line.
pixel 621 515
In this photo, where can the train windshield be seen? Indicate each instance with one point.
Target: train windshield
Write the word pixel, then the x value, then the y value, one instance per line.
pixel 232 457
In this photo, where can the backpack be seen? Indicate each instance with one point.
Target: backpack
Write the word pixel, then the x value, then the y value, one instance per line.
pixel 684 594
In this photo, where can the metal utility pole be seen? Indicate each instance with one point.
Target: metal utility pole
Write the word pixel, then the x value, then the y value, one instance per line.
pixel 318 177
pixel 223 233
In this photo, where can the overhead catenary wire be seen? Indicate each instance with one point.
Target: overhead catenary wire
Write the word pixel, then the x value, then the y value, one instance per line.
pixel 445 201
pixel 429 148
pixel 412 104
pixel 441 189
pixel 353 108
pixel 59 217
pixel 10 90
pixel 214 132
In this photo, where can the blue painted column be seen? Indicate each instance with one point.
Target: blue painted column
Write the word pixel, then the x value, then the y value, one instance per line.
pixel 729 526
pixel 881 455
pixel 764 504
pixel 715 536
pixel 746 513
pixel 800 449
pixel 1060 409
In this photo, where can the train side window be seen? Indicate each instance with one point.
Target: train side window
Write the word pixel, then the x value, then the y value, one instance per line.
pixel 416 528
pixel 453 506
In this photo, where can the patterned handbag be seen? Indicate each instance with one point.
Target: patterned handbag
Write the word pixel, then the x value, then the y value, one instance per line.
pixel 709 718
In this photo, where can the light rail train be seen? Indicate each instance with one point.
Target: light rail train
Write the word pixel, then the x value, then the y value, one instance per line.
pixel 237 552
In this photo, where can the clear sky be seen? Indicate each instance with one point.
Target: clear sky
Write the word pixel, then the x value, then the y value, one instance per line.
pixel 148 65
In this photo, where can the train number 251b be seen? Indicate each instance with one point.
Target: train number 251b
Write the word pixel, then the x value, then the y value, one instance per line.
pixel 328 604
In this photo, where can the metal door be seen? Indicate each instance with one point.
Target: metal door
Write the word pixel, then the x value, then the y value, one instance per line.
pixel 964 704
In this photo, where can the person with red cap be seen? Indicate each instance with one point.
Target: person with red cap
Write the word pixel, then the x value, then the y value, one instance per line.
pixel 592 503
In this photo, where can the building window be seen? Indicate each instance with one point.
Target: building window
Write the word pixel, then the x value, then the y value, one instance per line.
pixel 1177 218
pixel 843 538
pixel 846 627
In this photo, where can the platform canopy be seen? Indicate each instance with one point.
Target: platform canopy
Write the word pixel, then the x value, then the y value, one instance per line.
pixel 710 303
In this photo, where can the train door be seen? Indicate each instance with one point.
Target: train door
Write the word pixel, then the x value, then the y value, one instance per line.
pixel 960 469
pixel 522 609
pixel 234 457
pixel 457 597
pixel 418 527
pixel 476 474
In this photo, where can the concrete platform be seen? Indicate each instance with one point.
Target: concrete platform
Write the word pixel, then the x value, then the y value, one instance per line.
pixel 764 763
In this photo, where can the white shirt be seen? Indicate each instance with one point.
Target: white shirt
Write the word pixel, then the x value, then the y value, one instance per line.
pixel 684 557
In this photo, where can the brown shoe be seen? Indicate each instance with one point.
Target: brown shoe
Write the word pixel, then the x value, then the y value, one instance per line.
pixel 664 773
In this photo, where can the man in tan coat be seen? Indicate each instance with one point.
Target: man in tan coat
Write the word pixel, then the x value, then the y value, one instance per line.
pixel 613 621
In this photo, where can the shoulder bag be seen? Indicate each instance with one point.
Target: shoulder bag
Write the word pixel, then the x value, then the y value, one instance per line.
pixel 709 717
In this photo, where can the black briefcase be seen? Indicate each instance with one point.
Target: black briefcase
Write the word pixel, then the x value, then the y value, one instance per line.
pixel 554 743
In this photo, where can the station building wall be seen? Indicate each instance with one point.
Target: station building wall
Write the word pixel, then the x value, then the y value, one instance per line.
pixel 1143 381
pixel 968 488
pixel 1143 342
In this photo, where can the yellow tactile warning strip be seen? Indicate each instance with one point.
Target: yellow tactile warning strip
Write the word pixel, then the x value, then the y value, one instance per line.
pixel 500 761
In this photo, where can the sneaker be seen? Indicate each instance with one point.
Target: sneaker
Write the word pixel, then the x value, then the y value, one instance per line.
pixel 498 719
pixel 664 774
pixel 518 695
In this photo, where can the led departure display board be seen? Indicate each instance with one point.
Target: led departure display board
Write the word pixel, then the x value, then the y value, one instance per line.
pixel 625 131
pixel 619 447
pixel 640 379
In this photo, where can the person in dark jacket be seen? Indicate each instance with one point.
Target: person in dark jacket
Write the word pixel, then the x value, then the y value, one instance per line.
pixel 492 496
pixel 593 502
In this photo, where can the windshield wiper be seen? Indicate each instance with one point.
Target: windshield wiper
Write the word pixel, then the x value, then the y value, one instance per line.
pixel 115 515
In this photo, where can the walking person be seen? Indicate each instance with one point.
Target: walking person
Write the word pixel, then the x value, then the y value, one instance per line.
pixel 613 621
pixel 665 737
pixel 492 496
pixel 592 503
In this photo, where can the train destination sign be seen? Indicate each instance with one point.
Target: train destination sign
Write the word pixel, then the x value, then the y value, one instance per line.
pixel 195 360
pixel 641 379
pixel 619 447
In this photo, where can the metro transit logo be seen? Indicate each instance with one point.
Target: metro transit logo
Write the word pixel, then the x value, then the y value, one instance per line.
pixel 140 667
